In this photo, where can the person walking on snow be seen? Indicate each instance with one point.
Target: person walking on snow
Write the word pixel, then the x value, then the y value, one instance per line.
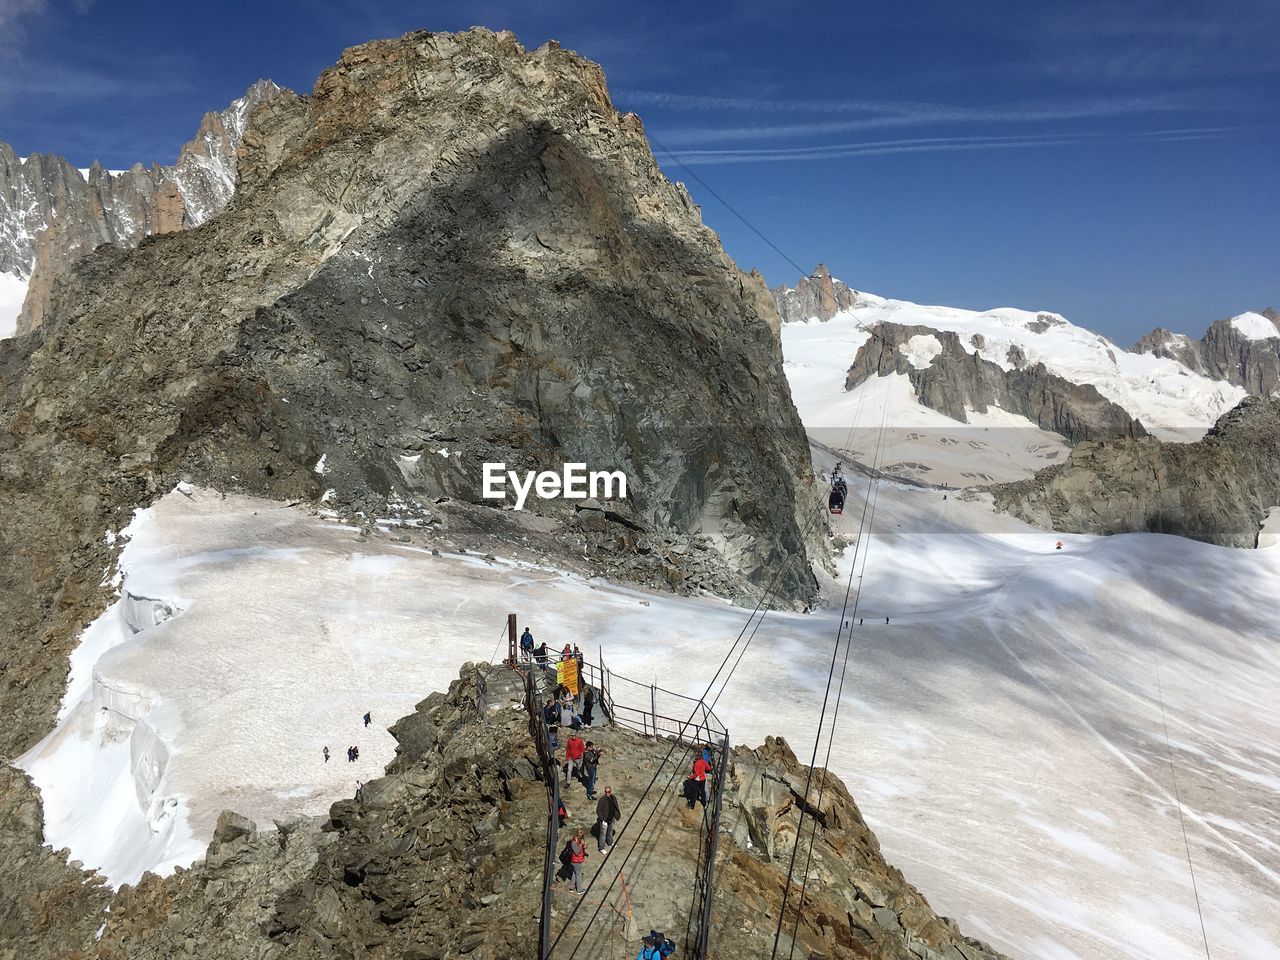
pixel 526 644
pixel 608 813
pixel 574 748
pixel 326 754
pixel 368 719
pixel 577 854
pixel 590 766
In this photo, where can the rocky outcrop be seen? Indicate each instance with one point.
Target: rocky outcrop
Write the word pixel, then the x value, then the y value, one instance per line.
pixel 443 857
pixel 1218 489
pixel 52 214
pixel 953 381
pixel 1225 352
pixel 817 295
pixel 454 252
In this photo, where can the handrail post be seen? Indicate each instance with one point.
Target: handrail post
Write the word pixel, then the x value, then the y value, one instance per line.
pixel 704 932
pixel 653 704
pixel 511 639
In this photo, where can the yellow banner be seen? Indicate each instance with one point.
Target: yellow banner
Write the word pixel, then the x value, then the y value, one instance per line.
pixel 567 674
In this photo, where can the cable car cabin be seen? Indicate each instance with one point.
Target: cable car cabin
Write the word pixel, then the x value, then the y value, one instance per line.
pixel 835 502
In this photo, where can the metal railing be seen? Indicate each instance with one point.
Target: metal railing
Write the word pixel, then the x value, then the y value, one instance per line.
pixel 652 711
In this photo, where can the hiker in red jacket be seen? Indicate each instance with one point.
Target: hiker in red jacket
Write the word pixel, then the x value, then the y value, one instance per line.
pixel 573 751
pixel 577 854
pixel 698 780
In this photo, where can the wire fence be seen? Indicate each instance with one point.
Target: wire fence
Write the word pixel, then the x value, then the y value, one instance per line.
pixel 651 711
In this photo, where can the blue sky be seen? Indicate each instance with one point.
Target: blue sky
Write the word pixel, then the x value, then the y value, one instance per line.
pixel 1114 162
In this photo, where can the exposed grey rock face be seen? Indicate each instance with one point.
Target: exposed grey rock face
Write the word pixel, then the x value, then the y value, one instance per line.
pixel 52 215
pixel 1224 353
pixel 452 245
pixel 1218 489
pixel 956 381
pixel 443 857
pixel 817 295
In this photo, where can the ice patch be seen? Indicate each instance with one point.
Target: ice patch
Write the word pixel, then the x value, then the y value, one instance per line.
pixel 921 349
pixel 13 290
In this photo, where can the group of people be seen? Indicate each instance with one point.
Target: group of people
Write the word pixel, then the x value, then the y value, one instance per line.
pixel 581 762
pixel 541 654
pixel 608 815
pixel 353 752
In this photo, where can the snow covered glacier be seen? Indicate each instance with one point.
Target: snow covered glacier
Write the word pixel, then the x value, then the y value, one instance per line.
pixel 1003 733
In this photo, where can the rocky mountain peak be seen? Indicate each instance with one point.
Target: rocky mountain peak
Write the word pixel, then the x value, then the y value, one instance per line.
pixel 817 295
pixel 1243 350
pixel 52 214
pixel 454 252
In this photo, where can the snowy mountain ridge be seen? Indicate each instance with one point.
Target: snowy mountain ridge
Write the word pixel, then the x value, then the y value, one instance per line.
pixel 1243 350
pixel 52 213
pixel 1171 401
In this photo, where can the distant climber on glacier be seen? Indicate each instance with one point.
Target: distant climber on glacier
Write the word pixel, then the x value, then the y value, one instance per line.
pixel 368 719
pixel 326 754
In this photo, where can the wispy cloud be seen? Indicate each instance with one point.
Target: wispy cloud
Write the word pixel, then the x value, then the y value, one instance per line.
pixel 931 114
pixel 13 17
pixel 932 145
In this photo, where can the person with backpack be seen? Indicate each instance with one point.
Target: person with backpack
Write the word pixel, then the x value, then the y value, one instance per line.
pixel 526 644
pixel 590 766
pixel 608 813
pixel 664 946
pixel 574 748
pixel 551 717
pixel 577 855
pixel 562 813
pixel 656 946
pixel 541 654
pixel 701 767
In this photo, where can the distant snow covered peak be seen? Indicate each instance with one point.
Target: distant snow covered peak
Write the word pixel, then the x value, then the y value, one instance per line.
pixel 52 214
pixel 1254 326
pixel 1170 400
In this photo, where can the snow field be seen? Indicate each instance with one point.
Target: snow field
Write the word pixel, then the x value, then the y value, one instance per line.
pixel 1002 734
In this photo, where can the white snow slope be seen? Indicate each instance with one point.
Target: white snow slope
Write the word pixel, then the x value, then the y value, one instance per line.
pixel 1171 401
pixel 1255 326
pixel 13 290
pixel 1004 734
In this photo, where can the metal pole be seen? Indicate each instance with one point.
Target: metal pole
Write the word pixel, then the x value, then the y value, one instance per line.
pixel 511 639
pixel 653 703
pixel 704 934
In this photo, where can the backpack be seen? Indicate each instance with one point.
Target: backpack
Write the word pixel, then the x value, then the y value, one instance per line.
pixel 662 946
